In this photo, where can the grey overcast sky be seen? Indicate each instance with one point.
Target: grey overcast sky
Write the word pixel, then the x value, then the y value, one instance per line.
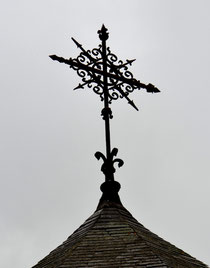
pixel 49 133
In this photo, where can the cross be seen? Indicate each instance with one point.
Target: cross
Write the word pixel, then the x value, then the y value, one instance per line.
pixel 110 78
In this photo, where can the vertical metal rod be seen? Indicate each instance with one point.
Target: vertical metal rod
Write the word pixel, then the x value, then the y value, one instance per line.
pixel 106 102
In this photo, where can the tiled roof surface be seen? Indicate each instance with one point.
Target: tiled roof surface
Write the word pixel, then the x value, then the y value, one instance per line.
pixel 111 237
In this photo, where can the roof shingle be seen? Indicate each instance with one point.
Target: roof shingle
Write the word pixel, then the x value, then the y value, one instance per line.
pixel 111 237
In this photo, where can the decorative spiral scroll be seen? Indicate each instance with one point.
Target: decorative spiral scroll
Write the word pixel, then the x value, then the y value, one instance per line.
pixel 129 89
pixel 111 57
pixel 81 73
pixel 113 95
pixel 96 52
pixel 128 74
pixel 99 90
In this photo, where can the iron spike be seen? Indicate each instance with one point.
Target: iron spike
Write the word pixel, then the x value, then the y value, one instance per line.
pixel 77 43
pixel 79 86
pixel 53 57
pixel 130 61
pixel 132 104
pixel 152 89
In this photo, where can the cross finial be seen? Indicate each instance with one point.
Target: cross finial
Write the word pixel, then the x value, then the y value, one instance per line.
pixel 110 78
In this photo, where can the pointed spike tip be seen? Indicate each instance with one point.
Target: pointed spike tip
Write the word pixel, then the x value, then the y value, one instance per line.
pixel 79 86
pixel 77 43
pixel 53 57
pixel 133 104
pixel 152 89
pixel 103 33
pixel 130 61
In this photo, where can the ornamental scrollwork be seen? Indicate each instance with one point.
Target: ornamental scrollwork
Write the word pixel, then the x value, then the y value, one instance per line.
pixel 119 78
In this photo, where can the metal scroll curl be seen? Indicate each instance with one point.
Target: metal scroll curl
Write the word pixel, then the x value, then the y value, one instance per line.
pixel 99 90
pixel 111 58
pixel 97 53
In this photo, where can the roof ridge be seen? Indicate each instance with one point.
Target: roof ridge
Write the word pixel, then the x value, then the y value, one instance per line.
pixel 161 250
pixel 75 238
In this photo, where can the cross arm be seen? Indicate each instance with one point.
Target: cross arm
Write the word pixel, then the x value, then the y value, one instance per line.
pixel 133 82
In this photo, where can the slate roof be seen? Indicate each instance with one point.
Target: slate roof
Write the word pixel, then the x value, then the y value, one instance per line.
pixel 111 237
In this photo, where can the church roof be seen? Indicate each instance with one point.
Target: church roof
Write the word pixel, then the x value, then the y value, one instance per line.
pixel 111 237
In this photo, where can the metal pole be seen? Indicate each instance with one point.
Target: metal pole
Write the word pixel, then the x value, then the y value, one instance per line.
pixel 106 111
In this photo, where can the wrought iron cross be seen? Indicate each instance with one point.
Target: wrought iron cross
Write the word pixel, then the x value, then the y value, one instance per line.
pixel 110 78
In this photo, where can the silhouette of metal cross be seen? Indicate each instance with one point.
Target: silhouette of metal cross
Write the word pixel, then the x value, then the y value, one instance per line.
pixel 110 78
